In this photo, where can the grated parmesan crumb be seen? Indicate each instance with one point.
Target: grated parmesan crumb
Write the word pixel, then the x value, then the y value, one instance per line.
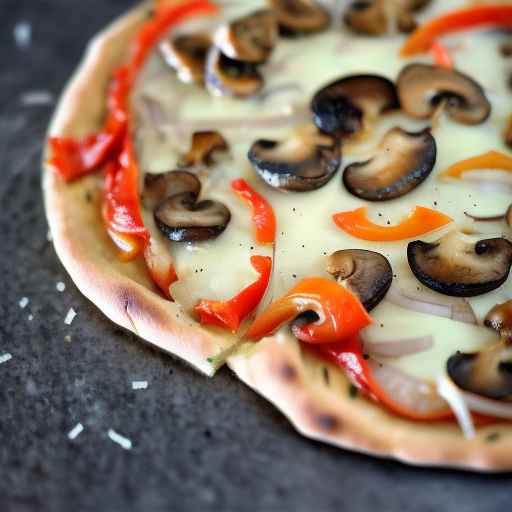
pixel 5 357
pixel 23 302
pixel 140 384
pixel 122 441
pixel 67 338
pixel 60 286
pixel 75 431
pixel 23 34
pixel 30 318
pixel 36 98
pixel 70 316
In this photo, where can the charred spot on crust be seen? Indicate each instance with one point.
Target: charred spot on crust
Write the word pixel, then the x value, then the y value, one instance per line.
pixel 287 372
pixel 327 422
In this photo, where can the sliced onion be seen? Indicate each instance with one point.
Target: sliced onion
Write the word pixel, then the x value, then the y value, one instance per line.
pixel 398 348
pixel 488 175
pixel 495 408
pixel 460 312
pixel 451 393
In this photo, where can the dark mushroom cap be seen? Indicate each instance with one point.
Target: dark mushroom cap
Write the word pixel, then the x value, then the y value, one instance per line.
pixel 202 148
pixel 403 161
pixel 296 17
pixel 367 17
pixel 499 318
pixel 305 161
pixel 487 373
pixel 186 54
pixel 158 187
pixel 229 77
pixel 413 5
pixel 367 274
pixel 182 219
pixel 250 39
pixel 422 87
pixel 340 107
pixel 458 267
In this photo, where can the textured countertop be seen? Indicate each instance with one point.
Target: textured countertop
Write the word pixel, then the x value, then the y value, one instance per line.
pixel 198 444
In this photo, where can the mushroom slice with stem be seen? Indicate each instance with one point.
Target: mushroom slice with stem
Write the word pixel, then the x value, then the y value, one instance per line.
pixel 158 187
pixel 403 161
pixel 341 107
pixel 305 161
pixel 297 17
pixel 182 219
pixel 499 318
pixel 457 266
pixel 203 146
pixel 250 39
pixel 229 77
pixel 487 372
pixel 422 87
pixel 367 274
pixel 186 54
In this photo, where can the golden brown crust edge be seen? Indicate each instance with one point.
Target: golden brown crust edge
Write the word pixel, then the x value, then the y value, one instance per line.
pixel 315 397
pixel 122 291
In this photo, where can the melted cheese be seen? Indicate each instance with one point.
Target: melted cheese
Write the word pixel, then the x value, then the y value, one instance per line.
pixel 220 268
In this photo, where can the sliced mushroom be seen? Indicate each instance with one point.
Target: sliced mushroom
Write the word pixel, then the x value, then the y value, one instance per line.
pixel 367 274
pixel 413 5
pixel 182 219
pixel 158 187
pixel 229 77
pixel 403 161
pixel 499 318
pixel 296 17
pixel 250 39
pixel 508 133
pixel 422 87
pixel 457 266
pixel 367 17
pixel 487 372
pixel 341 107
pixel 203 146
pixel 186 54
pixel 305 161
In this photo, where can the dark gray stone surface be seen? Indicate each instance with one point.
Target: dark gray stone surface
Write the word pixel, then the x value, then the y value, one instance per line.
pixel 198 444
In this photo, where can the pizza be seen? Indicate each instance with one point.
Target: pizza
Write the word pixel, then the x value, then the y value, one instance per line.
pixel 315 194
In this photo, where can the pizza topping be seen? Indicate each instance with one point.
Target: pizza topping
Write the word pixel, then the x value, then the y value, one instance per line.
pixel 499 318
pixel 455 265
pixel 203 147
pixel 340 313
pixel 366 274
pixel 250 39
pixel 159 187
pixel 486 161
pixel 508 133
pixel 230 77
pixel 487 372
pixel 296 17
pixel 422 87
pixel 403 161
pixel 186 54
pixel 342 107
pixel 305 161
pixel 441 55
pixel 507 217
pixel 182 219
pixel 398 348
pixel 421 220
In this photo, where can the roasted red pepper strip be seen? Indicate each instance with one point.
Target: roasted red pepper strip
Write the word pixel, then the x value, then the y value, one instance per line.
pixel 229 314
pixel 441 55
pixel 493 15
pixel 340 311
pixel 262 212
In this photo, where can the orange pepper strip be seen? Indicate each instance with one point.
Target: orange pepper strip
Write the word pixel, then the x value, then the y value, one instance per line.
pixel 490 160
pixel 441 55
pixel 229 314
pixel 494 15
pixel 160 267
pixel 421 220
pixel 262 212
pixel 340 311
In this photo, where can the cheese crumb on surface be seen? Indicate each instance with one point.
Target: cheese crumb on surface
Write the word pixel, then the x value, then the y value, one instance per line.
pixel 23 34
pixel 140 384
pixel 75 431
pixel 23 302
pixel 67 338
pixel 36 98
pixel 30 318
pixel 5 357
pixel 70 316
pixel 60 286
pixel 122 441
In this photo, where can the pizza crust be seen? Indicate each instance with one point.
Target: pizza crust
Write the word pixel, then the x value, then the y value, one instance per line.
pixel 122 291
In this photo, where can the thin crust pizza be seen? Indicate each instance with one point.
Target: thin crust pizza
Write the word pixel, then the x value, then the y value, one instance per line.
pixel 316 194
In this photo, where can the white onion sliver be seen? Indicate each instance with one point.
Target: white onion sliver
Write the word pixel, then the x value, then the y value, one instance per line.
pixel 398 348
pixel 447 390
pixel 488 406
